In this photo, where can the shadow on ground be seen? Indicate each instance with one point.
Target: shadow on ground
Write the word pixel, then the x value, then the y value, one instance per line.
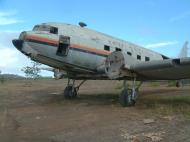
pixel 93 99
pixel 146 99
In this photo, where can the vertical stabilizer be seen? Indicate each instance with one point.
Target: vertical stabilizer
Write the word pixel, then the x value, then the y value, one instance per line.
pixel 184 50
pixel 183 54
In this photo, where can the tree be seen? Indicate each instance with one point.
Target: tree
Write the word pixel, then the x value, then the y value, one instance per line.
pixel 32 71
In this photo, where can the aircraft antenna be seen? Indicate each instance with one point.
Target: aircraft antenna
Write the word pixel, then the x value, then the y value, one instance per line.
pixel 82 24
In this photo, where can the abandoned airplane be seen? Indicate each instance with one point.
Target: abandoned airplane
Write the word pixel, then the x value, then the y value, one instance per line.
pixel 83 54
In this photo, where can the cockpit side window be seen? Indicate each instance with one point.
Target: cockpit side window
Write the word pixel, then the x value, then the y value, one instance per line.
pixel 36 28
pixel 46 28
pixel 41 28
pixel 54 30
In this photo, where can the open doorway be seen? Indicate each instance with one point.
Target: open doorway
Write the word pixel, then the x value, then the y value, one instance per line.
pixel 63 47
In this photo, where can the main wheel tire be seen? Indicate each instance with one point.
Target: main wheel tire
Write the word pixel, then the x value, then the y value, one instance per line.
pixel 125 98
pixel 69 93
pixel 179 84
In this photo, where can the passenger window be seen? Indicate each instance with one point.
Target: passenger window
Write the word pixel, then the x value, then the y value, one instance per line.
pixel 147 59
pixel 54 30
pixel 138 57
pixel 117 49
pixel 106 47
pixel 129 53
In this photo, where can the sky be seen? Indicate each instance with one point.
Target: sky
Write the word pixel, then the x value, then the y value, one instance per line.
pixel 160 25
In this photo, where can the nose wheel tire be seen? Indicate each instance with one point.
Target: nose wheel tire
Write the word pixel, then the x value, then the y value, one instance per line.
pixel 70 92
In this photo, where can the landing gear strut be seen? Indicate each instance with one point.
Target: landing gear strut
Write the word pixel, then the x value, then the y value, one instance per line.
pixel 71 91
pixel 129 96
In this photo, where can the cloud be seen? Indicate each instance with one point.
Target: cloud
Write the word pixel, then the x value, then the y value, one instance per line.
pixel 7 57
pixel 179 17
pixel 6 18
pixel 11 60
pixel 9 13
pixel 6 38
pixel 161 44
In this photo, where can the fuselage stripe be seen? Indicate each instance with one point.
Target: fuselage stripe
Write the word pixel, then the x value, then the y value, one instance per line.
pixel 81 48
pixel 42 39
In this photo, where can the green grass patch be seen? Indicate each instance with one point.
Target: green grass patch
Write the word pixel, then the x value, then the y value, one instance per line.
pixel 154 84
pixel 166 105
pixel 119 86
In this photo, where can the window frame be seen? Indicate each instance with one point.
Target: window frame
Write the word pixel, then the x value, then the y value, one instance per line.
pixel 107 47
pixel 147 58
pixel 138 57
pixel 129 53
pixel 118 49
pixel 54 30
pixel 46 28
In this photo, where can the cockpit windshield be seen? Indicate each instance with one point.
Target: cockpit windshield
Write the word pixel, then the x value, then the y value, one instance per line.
pixel 46 28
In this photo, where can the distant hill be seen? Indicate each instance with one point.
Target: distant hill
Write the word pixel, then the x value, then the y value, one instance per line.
pixel 11 76
pixel 14 76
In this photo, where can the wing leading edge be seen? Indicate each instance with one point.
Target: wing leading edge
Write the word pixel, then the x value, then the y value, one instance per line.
pixel 120 65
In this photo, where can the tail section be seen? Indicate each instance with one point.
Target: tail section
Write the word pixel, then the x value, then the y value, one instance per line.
pixel 184 50
pixel 183 54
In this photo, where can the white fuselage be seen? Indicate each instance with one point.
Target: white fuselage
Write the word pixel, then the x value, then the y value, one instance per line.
pixel 75 49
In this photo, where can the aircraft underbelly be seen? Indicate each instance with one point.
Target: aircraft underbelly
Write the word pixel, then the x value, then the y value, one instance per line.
pixel 73 61
pixel 82 58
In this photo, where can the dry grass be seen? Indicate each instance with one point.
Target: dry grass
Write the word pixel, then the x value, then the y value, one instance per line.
pixel 37 111
pixel 166 105
pixel 159 100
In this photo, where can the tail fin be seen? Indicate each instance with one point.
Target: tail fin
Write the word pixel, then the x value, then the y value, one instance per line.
pixel 183 54
pixel 184 50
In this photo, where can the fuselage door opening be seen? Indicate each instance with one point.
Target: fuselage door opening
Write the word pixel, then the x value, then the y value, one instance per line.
pixel 63 47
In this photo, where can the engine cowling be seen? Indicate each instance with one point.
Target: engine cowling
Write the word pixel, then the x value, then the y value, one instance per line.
pixel 116 63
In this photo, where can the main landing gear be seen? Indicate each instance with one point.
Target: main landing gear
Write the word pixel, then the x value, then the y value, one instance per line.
pixel 129 96
pixel 71 91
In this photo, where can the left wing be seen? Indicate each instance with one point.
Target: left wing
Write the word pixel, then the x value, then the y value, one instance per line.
pixel 120 65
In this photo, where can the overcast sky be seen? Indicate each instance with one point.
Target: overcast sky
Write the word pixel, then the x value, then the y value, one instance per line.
pixel 160 25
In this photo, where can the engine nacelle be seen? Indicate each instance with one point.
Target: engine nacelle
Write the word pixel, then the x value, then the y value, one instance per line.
pixel 116 62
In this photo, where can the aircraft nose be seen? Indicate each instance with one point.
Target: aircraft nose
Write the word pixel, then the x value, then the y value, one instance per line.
pixel 18 43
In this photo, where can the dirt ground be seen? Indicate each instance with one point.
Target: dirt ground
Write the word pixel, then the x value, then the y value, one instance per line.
pixel 35 111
